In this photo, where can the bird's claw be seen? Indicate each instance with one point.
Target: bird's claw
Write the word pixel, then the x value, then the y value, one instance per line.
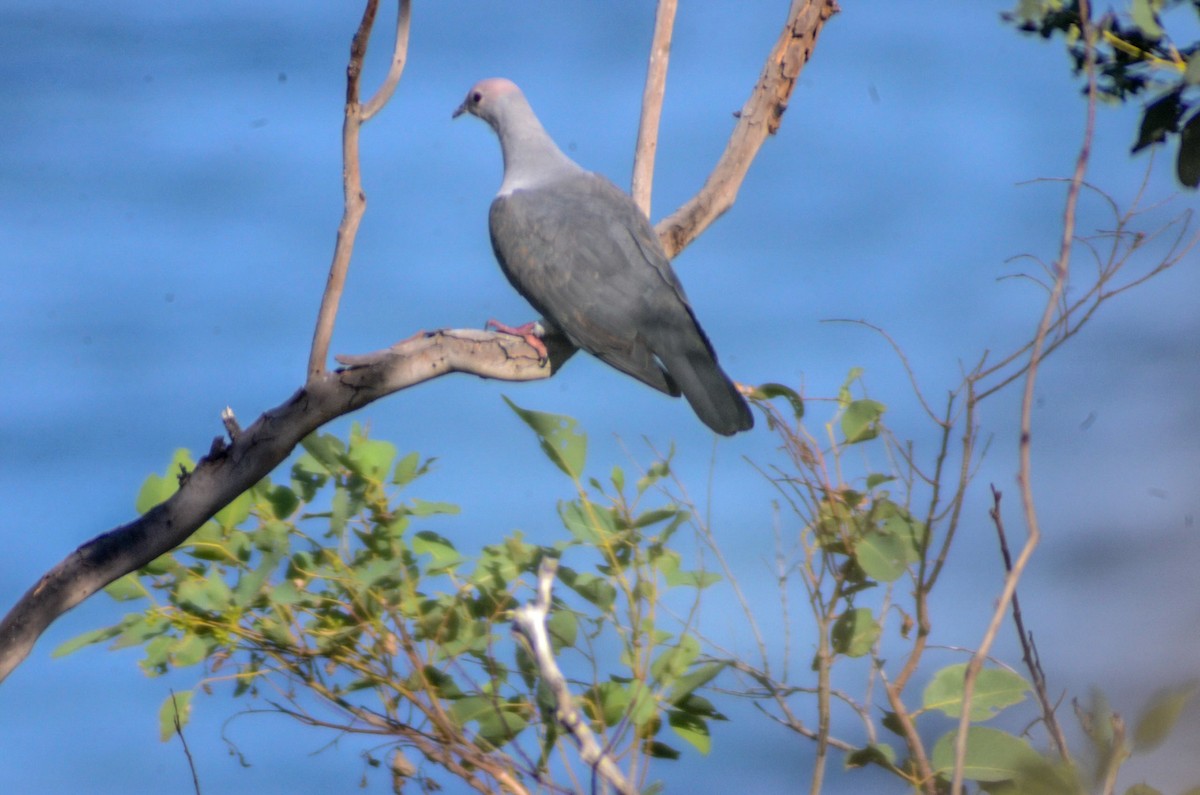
pixel 528 332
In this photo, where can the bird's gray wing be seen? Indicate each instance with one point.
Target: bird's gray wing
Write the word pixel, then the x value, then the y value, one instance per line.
pixel 572 249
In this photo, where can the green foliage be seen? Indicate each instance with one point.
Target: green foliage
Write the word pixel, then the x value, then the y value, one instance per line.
pixel 1136 55
pixel 995 689
pixel 339 592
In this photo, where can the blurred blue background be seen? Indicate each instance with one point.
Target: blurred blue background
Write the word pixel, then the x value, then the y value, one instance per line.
pixel 169 193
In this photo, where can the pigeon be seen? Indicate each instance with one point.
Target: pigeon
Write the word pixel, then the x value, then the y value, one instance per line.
pixel 581 252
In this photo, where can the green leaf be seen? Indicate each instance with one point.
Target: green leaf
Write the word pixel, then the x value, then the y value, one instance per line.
pixel 771 391
pixel 1160 717
pixel 560 440
pixel 283 501
pixel 595 589
pixel 137 628
pixel 876 479
pixel 692 729
pixel 176 708
pixel 883 556
pixel 440 548
pixel 674 662
pixel 424 508
pixel 860 420
pixel 874 754
pixel 854 632
pixel 693 680
pixel 844 396
pixel 86 639
pixel 207 594
pixel 1142 789
pixel 618 479
pixel 250 582
pixel 408 469
pixel 995 689
pixel 1160 118
pixel 563 628
pixel 188 650
pixel 655 472
pixel 992 755
pixel 588 522
pixel 325 451
pixel 1145 17
pixel 371 458
pixel 608 702
pixel 157 488
pixel 235 512
pixel 1187 167
pixel 662 751
pixel 126 589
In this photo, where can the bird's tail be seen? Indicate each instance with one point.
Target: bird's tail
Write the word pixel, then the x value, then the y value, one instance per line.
pixel 711 394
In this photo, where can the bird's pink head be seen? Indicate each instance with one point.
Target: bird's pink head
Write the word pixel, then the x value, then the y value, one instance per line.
pixel 485 96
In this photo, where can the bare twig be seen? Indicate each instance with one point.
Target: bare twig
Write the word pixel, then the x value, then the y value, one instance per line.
pixel 652 99
pixel 529 622
pixel 1025 472
pixel 1029 651
pixel 186 751
pixel 759 117
pixel 355 200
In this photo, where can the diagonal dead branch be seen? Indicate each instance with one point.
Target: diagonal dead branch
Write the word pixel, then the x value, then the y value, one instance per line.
pixel 354 198
pixel 760 116
pixel 229 469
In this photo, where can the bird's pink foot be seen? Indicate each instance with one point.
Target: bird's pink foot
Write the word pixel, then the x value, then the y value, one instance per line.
pixel 528 332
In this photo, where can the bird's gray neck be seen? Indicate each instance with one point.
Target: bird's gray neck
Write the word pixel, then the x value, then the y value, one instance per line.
pixel 531 157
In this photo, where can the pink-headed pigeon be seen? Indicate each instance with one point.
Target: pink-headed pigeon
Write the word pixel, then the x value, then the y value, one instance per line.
pixel 586 258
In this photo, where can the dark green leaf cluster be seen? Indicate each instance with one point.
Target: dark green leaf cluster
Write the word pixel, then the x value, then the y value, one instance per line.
pixel 1135 55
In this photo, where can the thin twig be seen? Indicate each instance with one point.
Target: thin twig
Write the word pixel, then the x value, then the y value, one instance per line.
pixel 1029 651
pixel 1025 472
pixel 652 99
pixel 186 751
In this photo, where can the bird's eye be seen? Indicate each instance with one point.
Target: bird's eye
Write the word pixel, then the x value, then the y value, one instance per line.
pixel 477 97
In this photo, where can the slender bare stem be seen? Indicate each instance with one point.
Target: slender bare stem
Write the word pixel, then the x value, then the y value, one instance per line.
pixel 529 622
pixel 1029 650
pixel 354 198
pixel 760 116
pixel 1025 472
pixel 652 99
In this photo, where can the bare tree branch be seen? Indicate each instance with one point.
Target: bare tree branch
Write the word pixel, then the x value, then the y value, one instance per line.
pixel 759 117
pixel 230 469
pixel 652 99
pixel 529 622
pixel 355 200
pixel 1029 651
pixel 1062 269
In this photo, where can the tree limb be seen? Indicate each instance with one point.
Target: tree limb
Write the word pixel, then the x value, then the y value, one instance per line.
pixel 229 469
pixel 354 198
pixel 529 622
pixel 759 117
pixel 652 99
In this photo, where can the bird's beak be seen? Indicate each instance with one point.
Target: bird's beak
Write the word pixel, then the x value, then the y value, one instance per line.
pixel 460 110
